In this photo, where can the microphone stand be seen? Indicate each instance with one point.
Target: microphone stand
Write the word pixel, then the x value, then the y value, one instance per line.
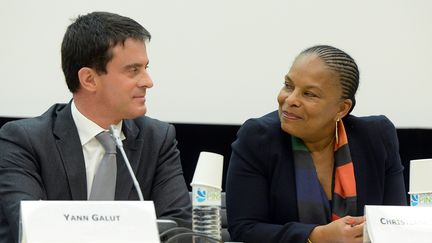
pixel 119 144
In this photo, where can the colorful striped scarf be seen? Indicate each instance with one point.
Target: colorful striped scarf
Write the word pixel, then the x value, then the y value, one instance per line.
pixel 313 205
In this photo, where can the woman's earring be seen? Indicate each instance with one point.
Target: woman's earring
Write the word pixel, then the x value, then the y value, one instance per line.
pixel 336 133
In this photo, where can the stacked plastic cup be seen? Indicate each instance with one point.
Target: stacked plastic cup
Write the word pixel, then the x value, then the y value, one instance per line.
pixel 420 182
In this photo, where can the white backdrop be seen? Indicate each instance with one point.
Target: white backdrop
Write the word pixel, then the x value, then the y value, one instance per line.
pixel 223 61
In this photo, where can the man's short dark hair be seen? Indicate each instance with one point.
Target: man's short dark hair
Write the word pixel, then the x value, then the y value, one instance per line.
pixel 88 42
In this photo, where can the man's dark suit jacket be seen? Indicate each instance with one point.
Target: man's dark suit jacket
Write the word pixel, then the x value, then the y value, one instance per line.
pixel 42 158
pixel 261 190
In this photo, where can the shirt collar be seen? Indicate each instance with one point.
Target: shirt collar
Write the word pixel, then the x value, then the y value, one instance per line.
pixel 87 129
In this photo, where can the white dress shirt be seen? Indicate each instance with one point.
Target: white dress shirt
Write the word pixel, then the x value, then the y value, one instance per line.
pixel 92 148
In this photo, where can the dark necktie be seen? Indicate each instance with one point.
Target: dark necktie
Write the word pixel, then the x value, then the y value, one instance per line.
pixel 104 182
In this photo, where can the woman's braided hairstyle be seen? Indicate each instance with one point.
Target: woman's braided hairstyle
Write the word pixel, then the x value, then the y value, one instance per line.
pixel 343 65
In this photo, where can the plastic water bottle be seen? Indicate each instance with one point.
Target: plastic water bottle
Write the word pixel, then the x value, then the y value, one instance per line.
pixel 206 219
pixel 206 197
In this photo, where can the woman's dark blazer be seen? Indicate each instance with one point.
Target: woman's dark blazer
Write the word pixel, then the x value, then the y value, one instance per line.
pixel 261 190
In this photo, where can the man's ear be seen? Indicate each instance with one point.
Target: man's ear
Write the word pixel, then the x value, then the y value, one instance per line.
pixel 344 108
pixel 87 80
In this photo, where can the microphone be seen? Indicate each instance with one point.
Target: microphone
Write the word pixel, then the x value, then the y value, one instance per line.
pixel 119 144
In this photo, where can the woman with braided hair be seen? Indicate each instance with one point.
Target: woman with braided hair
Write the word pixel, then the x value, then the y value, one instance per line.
pixel 305 172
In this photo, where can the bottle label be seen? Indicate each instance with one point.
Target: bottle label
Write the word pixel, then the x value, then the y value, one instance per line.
pixel 206 196
pixel 421 199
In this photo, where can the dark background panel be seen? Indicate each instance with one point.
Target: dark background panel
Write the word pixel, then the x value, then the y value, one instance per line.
pixel 414 144
pixel 194 138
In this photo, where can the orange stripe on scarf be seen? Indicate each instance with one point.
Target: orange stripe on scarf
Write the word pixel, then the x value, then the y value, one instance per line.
pixel 345 181
pixel 342 136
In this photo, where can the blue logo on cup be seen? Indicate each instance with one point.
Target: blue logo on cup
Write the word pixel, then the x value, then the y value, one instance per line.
pixel 414 199
pixel 201 195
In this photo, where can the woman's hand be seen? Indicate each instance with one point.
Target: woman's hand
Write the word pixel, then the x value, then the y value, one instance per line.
pixel 346 229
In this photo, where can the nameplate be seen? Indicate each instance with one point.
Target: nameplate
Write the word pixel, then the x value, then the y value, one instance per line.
pixel 88 221
pixel 398 224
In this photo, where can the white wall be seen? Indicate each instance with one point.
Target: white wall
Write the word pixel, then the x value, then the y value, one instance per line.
pixel 223 61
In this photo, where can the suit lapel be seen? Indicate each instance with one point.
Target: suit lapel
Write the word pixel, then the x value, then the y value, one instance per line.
pixel 70 149
pixel 131 146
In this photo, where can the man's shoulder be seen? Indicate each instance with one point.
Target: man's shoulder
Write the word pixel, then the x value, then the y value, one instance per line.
pixel 149 123
pixel 147 127
pixel 38 123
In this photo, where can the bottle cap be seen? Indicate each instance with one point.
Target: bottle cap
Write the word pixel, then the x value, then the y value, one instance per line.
pixel 208 171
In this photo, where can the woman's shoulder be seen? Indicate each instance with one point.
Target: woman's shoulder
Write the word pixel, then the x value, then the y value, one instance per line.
pixel 376 124
pixel 261 127
pixel 268 120
pixel 367 121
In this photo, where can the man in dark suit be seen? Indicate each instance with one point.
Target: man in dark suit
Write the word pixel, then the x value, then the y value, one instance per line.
pixel 55 156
